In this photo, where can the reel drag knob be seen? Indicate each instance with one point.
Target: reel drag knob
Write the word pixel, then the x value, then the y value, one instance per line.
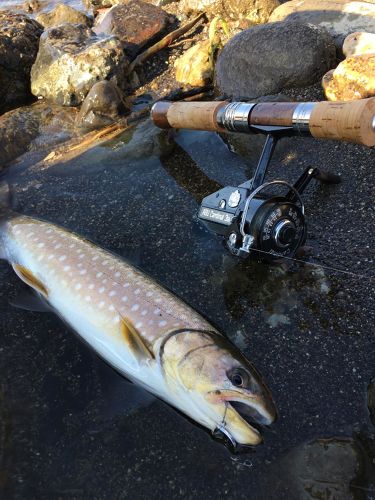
pixel 284 233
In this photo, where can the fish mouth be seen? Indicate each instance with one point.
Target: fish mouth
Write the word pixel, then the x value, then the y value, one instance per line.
pixel 244 418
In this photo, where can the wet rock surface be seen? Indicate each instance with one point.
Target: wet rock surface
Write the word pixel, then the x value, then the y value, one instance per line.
pixel 325 468
pixel 134 23
pixel 103 105
pixel 33 128
pixel 19 39
pixel 338 17
pixel 71 59
pixel 297 55
pixel 63 14
pixel 256 11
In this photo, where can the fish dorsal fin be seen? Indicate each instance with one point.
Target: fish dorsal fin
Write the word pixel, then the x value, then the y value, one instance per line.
pixel 27 276
pixel 134 341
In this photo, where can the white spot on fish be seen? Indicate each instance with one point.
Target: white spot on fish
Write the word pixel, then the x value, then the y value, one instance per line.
pixel 40 245
pixel 104 262
pixel 111 308
pixel 99 275
pixel 135 307
pixel 88 298
pixel 62 258
pixel 52 256
pixel 137 291
pixel 112 293
pixel 151 322
pixel 126 285
pixel 49 231
pixel 56 247
pixel 91 286
pixel 78 286
pixel 96 257
pixel 156 311
pixel 101 289
pixel 81 256
pixel 144 312
pixel 101 304
pixel 30 234
pixel 117 275
pixel 116 319
pixel 41 256
pixel 83 272
pixel 138 324
pixel 162 323
pixel 158 300
pixel 66 268
pixel 149 294
pixel 124 298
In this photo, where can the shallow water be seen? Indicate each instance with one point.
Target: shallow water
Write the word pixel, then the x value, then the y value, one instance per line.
pixel 73 428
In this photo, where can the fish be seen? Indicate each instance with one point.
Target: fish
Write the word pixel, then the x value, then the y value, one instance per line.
pixel 141 329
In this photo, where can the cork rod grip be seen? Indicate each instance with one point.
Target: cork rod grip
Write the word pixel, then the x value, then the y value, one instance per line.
pixel 352 121
pixel 190 115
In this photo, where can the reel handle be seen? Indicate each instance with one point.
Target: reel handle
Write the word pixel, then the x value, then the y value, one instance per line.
pixel 352 121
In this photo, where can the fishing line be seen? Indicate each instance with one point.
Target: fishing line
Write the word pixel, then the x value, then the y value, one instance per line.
pixel 314 264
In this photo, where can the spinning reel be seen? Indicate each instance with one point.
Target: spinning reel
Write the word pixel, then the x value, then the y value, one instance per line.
pixel 252 218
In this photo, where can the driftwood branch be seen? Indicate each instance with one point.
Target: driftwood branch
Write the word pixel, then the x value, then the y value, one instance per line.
pixel 163 43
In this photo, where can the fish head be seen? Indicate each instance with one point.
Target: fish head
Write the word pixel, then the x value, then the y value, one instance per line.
pixel 223 389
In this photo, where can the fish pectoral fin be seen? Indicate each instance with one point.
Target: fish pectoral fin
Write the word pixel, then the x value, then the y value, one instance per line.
pixel 134 341
pixel 27 276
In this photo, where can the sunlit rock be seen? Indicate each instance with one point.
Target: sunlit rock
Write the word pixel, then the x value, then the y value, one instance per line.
pixel 354 78
pixel 104 104
pixel 134 23
pixel 19 39
pixel 339 17
pixel 194 67
pixel 359 43
pixel 257 11
pixel 63 14
pixel 265 59
pixel 71 59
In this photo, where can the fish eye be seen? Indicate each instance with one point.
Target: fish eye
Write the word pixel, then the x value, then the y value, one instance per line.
pixel 238 377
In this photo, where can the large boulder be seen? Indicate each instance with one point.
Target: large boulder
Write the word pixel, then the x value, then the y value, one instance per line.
pixel 134 23
pixel 63 14
pixel 339 17
pixel 257 11
pixel 104 104
pixel 19 39
pixel 71 59
pixel 268 58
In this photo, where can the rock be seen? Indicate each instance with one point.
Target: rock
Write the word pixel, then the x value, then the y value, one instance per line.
pixel 339 17
pixel 359 43
pixel 104 104
pixel 265 59
pixel 353 78
pixel 102 4
pixel 19 39
pixel 71 59
pixel 258 11
pixel 323 468
pixel 194 67
pixel 33 127
pixel 135 23
pixel 63 14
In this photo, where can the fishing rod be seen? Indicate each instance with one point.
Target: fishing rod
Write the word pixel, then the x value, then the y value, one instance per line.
pixel 249 216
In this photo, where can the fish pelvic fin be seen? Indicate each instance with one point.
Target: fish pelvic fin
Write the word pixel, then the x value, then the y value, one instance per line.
pixel 134 341
pixel 27 276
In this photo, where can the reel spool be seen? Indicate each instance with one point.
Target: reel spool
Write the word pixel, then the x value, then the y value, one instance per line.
pixel 254 221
